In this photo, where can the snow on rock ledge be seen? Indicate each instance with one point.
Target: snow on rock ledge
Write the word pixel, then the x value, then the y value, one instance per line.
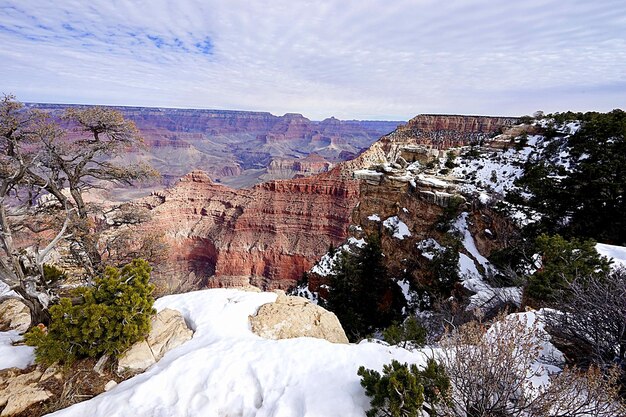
pixel 226 370
pixel 290 317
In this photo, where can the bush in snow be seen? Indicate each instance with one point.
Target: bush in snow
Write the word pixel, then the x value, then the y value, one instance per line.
pixel 403 390
pixel 563 261
pixel 113 314
pixel 409 334
pixel 592 320
pixel 498 371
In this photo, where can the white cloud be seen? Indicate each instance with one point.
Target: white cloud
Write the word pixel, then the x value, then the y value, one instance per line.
pixel 364 59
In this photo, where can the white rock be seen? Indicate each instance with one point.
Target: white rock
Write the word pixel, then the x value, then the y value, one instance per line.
pixel 169 330
pixel 20 392
pixel 109 385
pixel 14 315
pixel 289 317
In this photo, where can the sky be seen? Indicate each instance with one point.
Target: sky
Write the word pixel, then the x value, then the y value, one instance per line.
pixel 352 59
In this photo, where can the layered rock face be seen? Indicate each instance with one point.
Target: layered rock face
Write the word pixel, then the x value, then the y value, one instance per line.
pixel 267 235
pixel 236 147
pixel 426 137
pixel 285 168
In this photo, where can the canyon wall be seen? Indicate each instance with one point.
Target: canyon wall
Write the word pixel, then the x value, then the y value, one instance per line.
pixel 271 233
pixel 237 147
pixel 267 235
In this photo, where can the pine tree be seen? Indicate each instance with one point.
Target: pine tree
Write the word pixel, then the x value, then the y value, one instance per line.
pixel 361 293
pixel 113 314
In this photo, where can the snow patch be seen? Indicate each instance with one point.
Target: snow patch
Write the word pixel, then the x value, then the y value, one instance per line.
pixel 429 247
pixel 460 224
pixel 14 356
pixel 226 370
pixel 615 253
pixel 398 227
pixel 374 217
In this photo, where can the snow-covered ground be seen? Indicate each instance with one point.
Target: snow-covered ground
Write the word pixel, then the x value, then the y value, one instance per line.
pixel 226 370
pixel 14 356
pixel 486 295
pixel 616 253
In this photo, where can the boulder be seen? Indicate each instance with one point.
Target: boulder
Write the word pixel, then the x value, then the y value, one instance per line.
pixel 290 317
pixel 169 330
pixel 14 315
pixel 17 393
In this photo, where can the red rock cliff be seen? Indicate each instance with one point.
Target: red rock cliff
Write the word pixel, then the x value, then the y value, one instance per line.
pixel 268 235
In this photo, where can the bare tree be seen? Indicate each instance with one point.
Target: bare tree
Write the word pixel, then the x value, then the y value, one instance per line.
pixel 20 155
pixel 592 317
pixel 44 173
pixel 498 372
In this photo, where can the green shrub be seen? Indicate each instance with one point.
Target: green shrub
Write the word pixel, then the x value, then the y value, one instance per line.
pixel 403 390
pixel 53 274
pixel 563 261
pixel 409 334
pixel 361 293
pixel 451 157
pixel 114 314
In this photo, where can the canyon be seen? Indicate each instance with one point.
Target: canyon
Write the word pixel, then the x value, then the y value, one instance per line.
pixel 240 148
pixel 269 234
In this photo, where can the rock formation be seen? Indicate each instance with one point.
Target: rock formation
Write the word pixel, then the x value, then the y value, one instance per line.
pixel 236 147
pixel 290 317
pixel 285 168
pixel 169 330
pixel 14 315
pixel 17 393
pixel 268 235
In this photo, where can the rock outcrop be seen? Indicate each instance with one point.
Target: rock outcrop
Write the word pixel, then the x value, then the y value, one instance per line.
pixel 266 236
pixel 169 330
pixel 290 317
pixel 285 168
pixel 14 315
pixel 236 146
pixel 17 393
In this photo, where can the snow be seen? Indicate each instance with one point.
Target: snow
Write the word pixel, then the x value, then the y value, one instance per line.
pixel 615 253
pixel 367 172
pixel 432 181
pixel 429 247
pixel 374 218
pixel 226 370
pixel 325 265
pixel 467 266
pixel 6 291
pixel 460 224
pixel 14 356
pixel 398 227
pixel 359 243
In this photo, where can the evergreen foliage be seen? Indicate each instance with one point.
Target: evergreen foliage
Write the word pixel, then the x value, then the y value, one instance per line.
pixel 361 293
pixel 114 314
pixel 445 268
pixel 403 390
pixel 409 334
pixel 563 261
pixel 587 198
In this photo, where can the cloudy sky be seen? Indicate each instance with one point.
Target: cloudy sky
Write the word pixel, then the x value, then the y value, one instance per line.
pixel 374 59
